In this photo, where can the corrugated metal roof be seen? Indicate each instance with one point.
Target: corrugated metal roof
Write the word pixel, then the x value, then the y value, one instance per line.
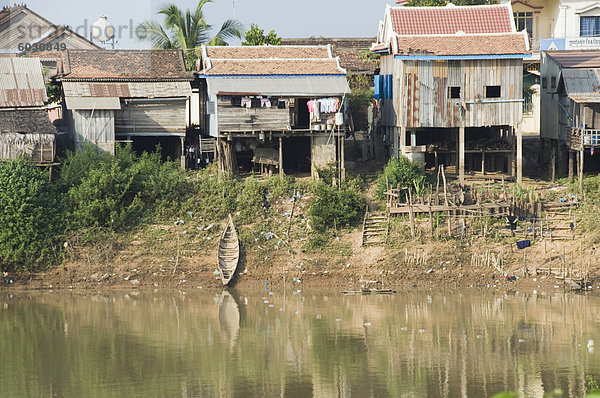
pixel 128 89
pixel 312 86
pixel 93 103
pixel 582 85
pixel 21 82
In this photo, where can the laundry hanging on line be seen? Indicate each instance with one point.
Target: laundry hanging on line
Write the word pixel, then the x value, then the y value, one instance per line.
pixel 324 105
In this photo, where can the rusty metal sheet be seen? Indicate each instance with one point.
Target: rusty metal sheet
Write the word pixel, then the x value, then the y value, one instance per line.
pixel 21 83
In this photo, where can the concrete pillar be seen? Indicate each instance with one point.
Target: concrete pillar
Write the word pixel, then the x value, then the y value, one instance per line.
pixel 519 154
pixel 413 138
pixel 461 156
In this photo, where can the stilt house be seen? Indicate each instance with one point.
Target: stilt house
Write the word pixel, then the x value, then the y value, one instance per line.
pixel 570 101
pixel 450 85
pixel 25 129
pixel 138 96
pixel 274 107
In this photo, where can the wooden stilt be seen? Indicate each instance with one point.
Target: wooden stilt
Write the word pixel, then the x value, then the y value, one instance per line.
pixel 281 157
pixel 461 156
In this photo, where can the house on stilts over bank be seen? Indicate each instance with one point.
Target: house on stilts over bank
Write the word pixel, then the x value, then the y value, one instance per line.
pixel 570 100
pixel 274 108
pixel 25 129
pixel 450 86
pixel 136 96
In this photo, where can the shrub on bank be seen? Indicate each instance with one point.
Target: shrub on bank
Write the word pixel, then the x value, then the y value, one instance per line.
pixel 334 207
pixel 117 192
pixel 401 172
pixel 31 218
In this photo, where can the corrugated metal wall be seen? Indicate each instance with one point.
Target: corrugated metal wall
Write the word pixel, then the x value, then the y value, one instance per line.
pixel 426 101
pixel 96 127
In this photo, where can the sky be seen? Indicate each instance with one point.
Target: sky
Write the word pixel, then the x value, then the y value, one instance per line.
pixel 305 18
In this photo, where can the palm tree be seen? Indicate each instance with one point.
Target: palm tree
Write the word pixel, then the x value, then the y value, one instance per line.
pixel 187 30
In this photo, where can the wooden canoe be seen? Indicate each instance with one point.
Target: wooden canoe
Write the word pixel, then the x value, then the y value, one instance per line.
pixel 229 252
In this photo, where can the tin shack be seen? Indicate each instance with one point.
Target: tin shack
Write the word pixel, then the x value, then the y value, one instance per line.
pixel 274 108
pixel 450 86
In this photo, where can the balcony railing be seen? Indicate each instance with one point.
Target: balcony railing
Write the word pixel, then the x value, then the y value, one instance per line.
pixel 589 137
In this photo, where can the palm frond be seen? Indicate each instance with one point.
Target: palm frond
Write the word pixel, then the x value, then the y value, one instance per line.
pixel 153 32
pixel 232 28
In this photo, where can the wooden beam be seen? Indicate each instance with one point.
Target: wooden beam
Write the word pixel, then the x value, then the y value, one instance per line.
pixel 281 157
pixel 571 161
pixel 519 154
pixel 402 142
pixel 461 155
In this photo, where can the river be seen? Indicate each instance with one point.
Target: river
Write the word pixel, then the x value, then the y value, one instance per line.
pixel 268 343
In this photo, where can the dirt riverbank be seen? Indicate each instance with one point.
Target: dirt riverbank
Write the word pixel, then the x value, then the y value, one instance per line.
pixel 165 257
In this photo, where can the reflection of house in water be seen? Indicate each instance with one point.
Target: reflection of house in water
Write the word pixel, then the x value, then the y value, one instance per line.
pixel 274 107
pixel 140 96
pixel 451 84
pixel 25 128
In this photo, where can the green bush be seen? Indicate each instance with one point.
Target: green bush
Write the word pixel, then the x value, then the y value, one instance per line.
pixel 31 220
pixel 117 192
pixel 251 200
pixel 401 172
pixel 214 199
pixel 337 207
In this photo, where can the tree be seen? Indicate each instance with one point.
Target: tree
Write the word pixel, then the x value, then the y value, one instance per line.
pixel 187 30
pixel 256 37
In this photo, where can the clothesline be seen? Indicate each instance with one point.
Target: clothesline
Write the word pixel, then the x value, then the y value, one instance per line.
pixel 325 105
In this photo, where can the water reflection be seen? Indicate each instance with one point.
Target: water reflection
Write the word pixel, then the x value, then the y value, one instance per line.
pixel 247 344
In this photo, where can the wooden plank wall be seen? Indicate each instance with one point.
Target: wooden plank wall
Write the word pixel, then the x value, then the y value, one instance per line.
pixel 235 118
pixel 427 102
pixel 152 117
pixel 95 127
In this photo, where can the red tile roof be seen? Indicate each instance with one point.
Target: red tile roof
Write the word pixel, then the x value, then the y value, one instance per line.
pixel 348 49
pixel 261 52
pixel 268 60
pixel 451 19
pixel 491 44
pixel 111 65
pixel 265 67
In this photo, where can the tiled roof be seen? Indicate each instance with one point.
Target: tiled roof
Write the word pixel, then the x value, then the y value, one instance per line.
pixel 21 82
pixel 265 67
pixel 268 60
pixel 262 52
pixel 110 65
pixel 451 19
pixel 346 48
pixel 493 44
pixel 577 59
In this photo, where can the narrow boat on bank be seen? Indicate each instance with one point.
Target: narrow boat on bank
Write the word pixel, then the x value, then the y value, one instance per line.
pixel 229 252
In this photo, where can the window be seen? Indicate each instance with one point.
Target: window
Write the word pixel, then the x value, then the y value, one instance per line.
pixel 544 82
pixel 453 92
pixel 589 26
pixel 524 20
pixel 492 91
pixel 553 82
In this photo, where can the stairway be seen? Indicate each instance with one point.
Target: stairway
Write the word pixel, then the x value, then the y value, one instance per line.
pixel 560 222
pixel 375 229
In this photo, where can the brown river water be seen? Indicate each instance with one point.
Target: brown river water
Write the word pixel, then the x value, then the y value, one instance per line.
pixel 266 343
